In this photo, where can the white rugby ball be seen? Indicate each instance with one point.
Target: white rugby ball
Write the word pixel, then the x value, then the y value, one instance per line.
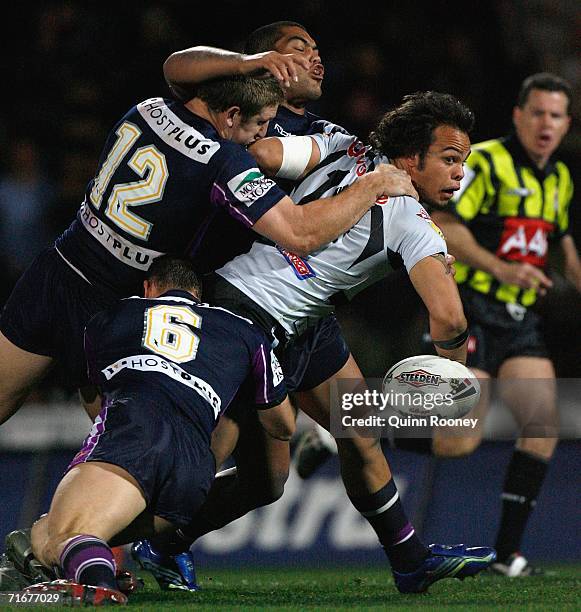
pixel 430 385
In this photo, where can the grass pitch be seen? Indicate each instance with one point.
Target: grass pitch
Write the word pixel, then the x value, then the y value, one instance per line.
pixel 363 589
pixel 360 588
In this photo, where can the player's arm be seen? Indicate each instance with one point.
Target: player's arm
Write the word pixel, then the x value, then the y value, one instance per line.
pixel 436 287
pixel 184 70
pixel 572 262
pixel 464 246
pixel 304 229
pixel 278 421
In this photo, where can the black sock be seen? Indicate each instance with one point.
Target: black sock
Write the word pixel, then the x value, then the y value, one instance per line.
pixel 385 514
pixel 88 560
pixel 522 483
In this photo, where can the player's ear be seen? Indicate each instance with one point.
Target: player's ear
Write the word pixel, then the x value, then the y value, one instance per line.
pixel 146 288
pixel 412 161
pixel 232 115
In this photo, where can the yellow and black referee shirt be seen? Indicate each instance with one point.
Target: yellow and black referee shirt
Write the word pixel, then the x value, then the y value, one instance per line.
pixel 513 209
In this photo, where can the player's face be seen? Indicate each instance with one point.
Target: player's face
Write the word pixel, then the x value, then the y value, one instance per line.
pixel 308 86
pixel 252 129
pixel 438 176
pixel 542 123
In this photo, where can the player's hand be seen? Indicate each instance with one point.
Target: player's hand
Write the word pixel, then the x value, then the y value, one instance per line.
pixel 394 182
pixel 283 67
pixel 524 275
pixel 450 260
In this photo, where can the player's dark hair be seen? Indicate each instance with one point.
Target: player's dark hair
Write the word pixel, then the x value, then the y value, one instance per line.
pixel 265 37
pixel 172 272
pixel 409 128
pixel 544 81
pixel 251 94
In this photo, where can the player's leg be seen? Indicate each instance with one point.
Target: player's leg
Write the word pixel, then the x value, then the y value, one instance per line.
pixel 367 477
pixel 262 467
pixel 317 445
pixel 20 371
pixel 527 386
pixel 461 441
pixel 372 490
pixel 92 503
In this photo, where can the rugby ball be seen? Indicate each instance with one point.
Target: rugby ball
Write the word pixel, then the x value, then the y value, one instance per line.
pixel 430 385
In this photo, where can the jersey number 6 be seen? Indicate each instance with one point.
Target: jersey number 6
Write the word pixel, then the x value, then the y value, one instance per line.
pixel 169 332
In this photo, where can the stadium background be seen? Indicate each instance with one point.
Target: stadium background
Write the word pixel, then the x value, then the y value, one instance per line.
pixel 75 67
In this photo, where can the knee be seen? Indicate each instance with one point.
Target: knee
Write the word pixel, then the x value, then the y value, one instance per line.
pixel 455 447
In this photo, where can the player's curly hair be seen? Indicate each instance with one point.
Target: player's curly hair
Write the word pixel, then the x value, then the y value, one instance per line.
pixel 173 272
pixel 409 128
pixel 251 94
pixel 265 37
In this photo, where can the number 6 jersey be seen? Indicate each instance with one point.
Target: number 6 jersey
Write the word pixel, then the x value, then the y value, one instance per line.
pixel 192 355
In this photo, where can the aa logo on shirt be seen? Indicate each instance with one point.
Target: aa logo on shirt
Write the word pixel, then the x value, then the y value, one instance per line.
pixel 249 186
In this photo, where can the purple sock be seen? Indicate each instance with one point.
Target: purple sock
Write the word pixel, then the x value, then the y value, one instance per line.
pixel 88 560
pixel 396 534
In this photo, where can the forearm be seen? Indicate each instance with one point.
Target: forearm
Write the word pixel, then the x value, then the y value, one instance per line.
pixel 464 246
pixel 195 65
pixel 448 342
pixel 437 289
pixel 324 220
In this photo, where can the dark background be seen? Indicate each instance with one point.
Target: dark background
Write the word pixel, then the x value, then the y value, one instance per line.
pixel 74 68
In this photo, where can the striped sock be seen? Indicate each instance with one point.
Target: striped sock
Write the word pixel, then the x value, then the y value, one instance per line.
pixel 88 560
pixel 384 512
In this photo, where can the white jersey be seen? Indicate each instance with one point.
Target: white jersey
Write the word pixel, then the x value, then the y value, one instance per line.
pixel 295 290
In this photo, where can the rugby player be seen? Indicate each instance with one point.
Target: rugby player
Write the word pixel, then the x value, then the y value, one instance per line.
pixel 165 170
pixel 167 366
pixel 512 205
pixel 427 136
pixel 321 351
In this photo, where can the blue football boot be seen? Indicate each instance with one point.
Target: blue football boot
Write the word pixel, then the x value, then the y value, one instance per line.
pixel 172 572
pixel 445 562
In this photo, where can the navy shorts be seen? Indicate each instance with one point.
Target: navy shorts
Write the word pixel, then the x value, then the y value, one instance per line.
pixel 164 450
pixel 307 360
pixel 499 331
pixel 47 312
pixel 315 355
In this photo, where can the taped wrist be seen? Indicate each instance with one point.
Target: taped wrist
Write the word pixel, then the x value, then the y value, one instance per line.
pixel 453 343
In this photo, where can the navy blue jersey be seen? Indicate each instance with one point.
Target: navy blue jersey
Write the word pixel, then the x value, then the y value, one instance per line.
pixel 289 123
pixel 195 354
pixel 224 239
pixel 163 175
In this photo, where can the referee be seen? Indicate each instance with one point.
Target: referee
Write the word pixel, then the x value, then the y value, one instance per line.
pixel 511 208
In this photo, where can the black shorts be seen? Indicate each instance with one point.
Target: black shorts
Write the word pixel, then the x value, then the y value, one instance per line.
pixel 47 312
pixel 150 438
pixel 497 335
pixel 307 360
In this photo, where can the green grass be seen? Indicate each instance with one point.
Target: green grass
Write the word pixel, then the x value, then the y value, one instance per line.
pixel 362 589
